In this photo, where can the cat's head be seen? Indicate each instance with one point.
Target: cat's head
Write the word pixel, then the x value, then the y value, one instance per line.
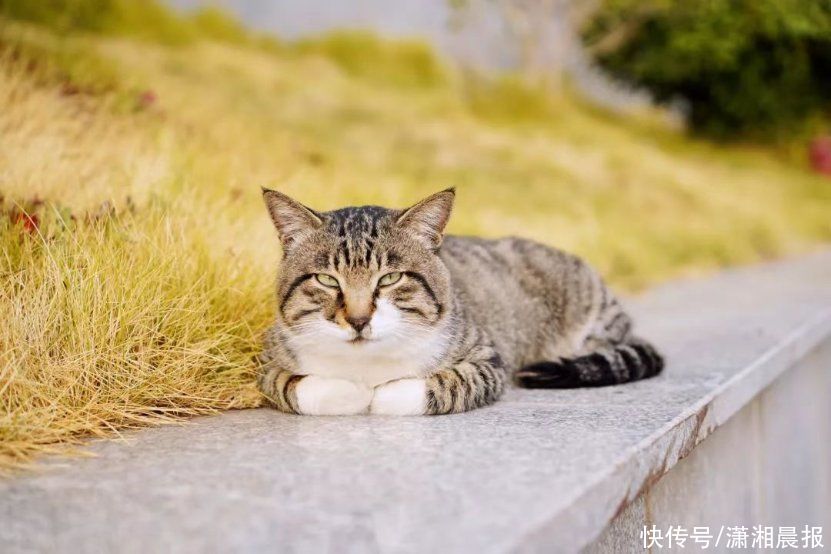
pixel 361 275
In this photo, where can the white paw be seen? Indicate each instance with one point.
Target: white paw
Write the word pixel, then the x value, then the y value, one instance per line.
pixel 327 396
pixel 402 397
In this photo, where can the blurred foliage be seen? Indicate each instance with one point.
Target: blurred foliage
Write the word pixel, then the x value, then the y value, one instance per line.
pixel 62 15
pixel 744 68
pixel 364 54
pixel 75 65
pixel 406 63
pixel 147 19
pixel 509 98
pixel 215 24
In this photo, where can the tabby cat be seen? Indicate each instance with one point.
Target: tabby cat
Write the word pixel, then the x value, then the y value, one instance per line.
pixel 380 313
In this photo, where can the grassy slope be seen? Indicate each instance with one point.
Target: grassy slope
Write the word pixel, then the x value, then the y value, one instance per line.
pixel 152 310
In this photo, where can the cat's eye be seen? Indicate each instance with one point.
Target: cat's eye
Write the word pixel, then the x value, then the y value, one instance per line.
pixel 389 279
pixel 327 280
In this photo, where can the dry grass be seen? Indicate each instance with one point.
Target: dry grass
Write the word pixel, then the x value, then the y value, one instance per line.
pixel 151 309
pixel 118 308
pixel 121 321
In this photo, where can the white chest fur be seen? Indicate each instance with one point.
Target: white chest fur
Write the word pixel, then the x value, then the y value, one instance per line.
pixel 396 350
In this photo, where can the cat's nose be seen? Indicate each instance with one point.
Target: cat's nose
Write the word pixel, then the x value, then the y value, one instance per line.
pixel 358 323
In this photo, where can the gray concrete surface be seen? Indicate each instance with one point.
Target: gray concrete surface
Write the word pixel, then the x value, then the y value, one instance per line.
pixel 769 466
pixel 539 471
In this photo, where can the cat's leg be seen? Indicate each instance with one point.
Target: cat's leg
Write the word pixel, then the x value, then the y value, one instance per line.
pixel 315 395
pixel 472 381
pixel 280 388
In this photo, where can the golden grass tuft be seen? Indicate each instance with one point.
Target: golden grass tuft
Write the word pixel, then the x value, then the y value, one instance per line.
pixel 118 308
pixel 119 321
pixel 148 305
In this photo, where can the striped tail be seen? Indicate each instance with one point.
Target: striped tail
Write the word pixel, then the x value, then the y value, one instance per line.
pixel 613 364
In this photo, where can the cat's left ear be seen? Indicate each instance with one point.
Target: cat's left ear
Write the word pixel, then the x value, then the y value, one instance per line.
pixel 427 219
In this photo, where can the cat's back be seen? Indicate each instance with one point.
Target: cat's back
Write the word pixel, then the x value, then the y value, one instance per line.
pixel 515 260
pixel 516 287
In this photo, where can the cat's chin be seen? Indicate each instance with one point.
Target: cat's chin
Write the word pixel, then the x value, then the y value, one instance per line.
pixel 373 361
pixel 365 343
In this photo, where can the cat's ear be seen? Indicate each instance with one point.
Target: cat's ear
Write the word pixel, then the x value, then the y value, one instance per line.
pixel 292 219
pixel 427 219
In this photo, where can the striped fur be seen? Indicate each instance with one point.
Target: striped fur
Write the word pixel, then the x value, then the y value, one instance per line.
pixel 612 364
pixel 433 324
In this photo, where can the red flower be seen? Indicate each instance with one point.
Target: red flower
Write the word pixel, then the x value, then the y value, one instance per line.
pixel 147 99
pixel 31 223
pixel 819 153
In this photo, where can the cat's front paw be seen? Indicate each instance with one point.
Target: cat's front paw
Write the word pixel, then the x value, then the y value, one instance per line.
pixel 402 397
pixel 327 396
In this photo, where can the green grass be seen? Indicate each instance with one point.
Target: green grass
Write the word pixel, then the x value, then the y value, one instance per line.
pixel 149 303
pixel 363 55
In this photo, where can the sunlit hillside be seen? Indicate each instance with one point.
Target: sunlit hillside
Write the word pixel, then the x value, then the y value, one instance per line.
pixel 137 260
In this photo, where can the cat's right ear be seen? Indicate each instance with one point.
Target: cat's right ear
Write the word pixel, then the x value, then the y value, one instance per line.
pixel 292 219
pixel 427 219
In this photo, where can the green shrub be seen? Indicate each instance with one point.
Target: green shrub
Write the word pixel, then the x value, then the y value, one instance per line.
pixel 744 68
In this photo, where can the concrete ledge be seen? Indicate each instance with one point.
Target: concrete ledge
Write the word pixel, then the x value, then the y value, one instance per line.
pixel 539 471
pixel 767 466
